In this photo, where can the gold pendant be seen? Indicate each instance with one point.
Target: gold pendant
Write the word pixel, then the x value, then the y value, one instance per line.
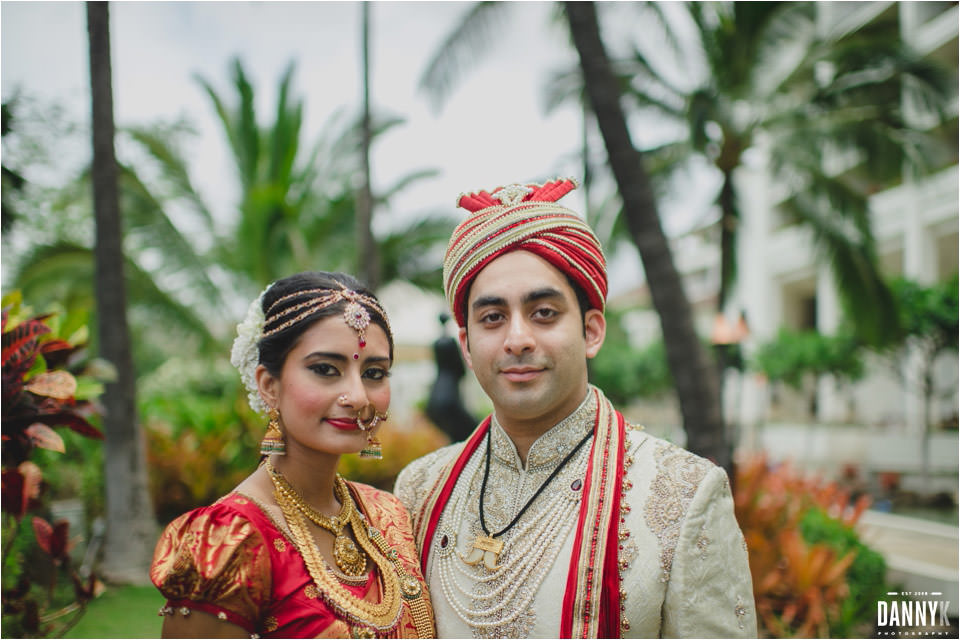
pixel 487 549
pixel 347 556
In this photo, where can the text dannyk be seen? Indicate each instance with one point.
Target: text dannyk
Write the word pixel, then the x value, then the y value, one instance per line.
pixel 912 613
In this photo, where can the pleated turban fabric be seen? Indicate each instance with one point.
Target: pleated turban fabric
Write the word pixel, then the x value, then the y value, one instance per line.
pixel 523 218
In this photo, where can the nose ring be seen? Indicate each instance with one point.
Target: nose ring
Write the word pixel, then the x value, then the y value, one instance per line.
pixel 342 400
pixel 369 417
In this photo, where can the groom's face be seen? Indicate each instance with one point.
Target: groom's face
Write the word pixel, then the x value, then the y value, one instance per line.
pixel 527 341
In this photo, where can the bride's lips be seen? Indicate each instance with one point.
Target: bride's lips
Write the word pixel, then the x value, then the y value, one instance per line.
pixel 521 374
pixel 344 424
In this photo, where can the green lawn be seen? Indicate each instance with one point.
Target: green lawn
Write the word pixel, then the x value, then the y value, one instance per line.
pixel 121 612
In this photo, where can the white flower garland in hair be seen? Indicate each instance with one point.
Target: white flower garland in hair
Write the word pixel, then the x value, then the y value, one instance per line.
pixel 245 355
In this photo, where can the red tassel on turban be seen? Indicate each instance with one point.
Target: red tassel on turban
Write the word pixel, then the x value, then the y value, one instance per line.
pixel 527 218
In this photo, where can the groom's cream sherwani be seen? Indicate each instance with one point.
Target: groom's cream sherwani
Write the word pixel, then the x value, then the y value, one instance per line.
pixel 669 561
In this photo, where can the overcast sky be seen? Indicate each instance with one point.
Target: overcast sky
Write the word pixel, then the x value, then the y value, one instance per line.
pixel 492 131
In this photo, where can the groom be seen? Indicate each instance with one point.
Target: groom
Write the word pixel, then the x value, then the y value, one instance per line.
pixel 556 517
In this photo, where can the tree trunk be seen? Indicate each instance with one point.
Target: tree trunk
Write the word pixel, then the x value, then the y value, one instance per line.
pixel 368 260
pixel 728 237
pixel 131 529
pixel 693 370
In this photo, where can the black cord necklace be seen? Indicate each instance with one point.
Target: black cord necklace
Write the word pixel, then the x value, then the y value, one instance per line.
pixel 486 474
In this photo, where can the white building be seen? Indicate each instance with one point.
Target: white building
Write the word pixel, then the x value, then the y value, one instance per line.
pixel 781 283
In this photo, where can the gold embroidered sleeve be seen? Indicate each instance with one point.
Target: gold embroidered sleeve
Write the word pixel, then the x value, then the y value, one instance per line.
pixel 710 590
pixel 216 556
pixel 418 476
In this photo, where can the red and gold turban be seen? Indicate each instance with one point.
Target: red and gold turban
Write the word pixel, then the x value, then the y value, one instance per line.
pixel 528 218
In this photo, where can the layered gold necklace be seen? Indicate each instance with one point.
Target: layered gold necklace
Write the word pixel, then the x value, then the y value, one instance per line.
pixel 345 553
pixel 397 584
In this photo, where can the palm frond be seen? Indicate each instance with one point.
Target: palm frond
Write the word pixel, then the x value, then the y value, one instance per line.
pixel 405 181
pixel 173 167
pixel 285 136
pixel 416 253
pixel 839 221
pixel 561 87
pixel 149 227
pixel 462 49
pixel 245 124
pixel 64 273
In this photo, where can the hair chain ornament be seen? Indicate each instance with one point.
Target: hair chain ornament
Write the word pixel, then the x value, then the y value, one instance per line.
pixel 245 352
pixel 355 315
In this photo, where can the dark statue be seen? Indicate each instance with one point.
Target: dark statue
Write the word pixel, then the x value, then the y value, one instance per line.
pixel 445 406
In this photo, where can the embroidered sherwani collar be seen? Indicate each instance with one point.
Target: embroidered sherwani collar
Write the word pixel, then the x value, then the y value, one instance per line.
pixel 550 448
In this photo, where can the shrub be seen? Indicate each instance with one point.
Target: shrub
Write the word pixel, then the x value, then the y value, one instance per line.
pixel 809 569
pixel 200 444
pixel 43 387
pixel 626 373
pixel 865 576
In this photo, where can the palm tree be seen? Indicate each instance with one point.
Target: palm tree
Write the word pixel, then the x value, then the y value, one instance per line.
pixel 826 105
pixel 695 378
pixel 10 179
pixel 300 214
pixel 172 295
pixel 131 527
pixel 368 259
pixel 183 287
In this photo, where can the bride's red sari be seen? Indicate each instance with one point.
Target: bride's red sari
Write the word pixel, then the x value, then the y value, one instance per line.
pixel 233 560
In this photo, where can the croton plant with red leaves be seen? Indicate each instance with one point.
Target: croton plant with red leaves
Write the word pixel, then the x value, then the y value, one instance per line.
pixel 40 394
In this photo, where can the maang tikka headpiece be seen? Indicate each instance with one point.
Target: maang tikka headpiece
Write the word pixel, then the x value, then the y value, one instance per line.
pixel 355 315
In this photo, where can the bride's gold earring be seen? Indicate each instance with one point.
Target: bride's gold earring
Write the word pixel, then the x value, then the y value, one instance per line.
pixel 373 448
pixel 367 419
pixel 272 442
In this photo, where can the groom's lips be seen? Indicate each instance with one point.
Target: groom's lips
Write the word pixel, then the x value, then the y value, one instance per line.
pixel 521 374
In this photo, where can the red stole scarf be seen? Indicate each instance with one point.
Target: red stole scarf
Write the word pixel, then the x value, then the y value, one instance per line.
pixel 591 602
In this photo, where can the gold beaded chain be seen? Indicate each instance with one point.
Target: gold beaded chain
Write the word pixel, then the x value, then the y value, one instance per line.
pixel 345 553
pixel 382 616
pixel 372 542
pixel 410 586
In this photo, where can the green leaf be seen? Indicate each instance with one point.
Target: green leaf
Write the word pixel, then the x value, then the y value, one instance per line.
pixel 88 389
pixel 39 366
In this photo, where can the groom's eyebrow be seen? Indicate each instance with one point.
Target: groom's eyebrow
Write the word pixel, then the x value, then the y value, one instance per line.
pixel 542 294
pixel 488 301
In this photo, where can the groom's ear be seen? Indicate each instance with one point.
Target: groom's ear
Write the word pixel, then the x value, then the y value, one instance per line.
pixel 465 346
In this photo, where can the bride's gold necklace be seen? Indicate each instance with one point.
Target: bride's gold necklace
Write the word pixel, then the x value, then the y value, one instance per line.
pixel 382 616
pixel 349 559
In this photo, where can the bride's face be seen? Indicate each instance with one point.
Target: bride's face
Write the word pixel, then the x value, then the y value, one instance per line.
pixel 321 387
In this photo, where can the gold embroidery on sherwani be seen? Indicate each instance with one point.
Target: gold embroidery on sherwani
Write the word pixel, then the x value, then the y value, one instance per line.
pixel 679 473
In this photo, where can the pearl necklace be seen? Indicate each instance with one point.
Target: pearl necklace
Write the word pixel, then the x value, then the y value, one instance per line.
pixel 528 554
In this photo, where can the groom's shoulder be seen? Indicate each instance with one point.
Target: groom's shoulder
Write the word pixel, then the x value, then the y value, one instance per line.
pixel 418 476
